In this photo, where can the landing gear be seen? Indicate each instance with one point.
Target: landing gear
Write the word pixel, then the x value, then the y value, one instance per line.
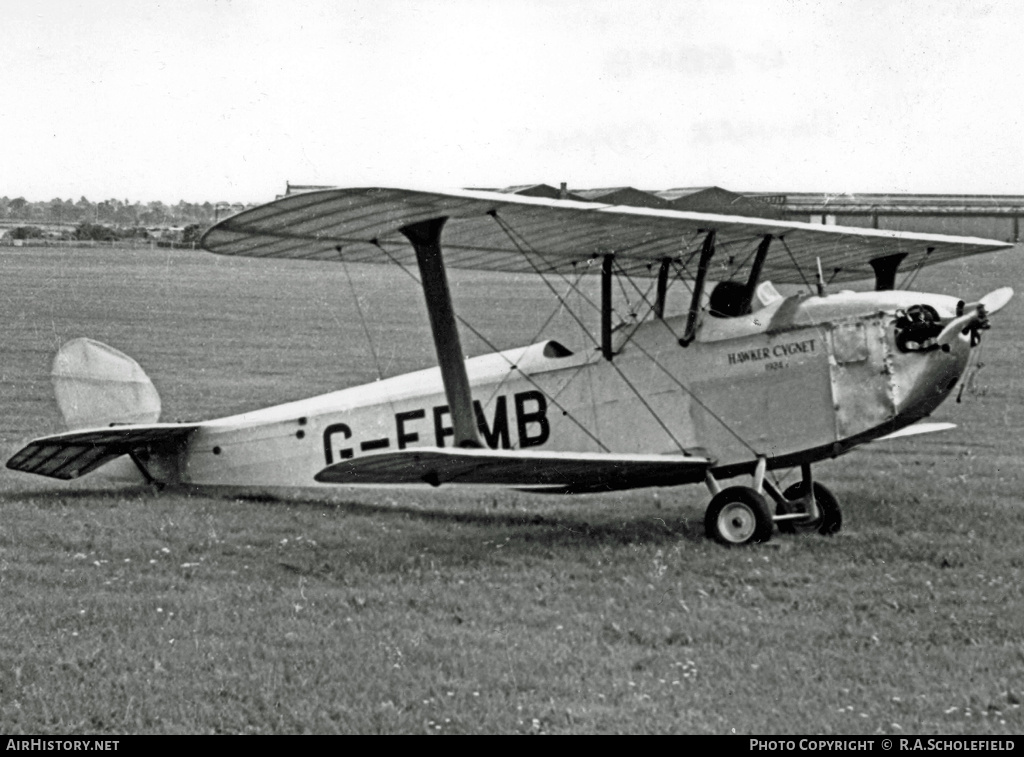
pixel 829 518
pixel 739 515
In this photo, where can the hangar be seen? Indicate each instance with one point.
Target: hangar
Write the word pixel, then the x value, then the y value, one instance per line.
pixel 986 216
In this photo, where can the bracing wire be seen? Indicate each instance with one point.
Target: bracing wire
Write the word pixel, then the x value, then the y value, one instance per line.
pixel 505 378
pixel 681 385
pixel 512 234
pixel 683 274
pixel 625 296
pixel 736 269
pixel 909 279
pixel 643 297
pixel 495 349
pixel 665 370
pixel 692 395
pixel 362 321
pixel 795 264
pixel 362 318
pixel 575 317
pixel 617 369
pixel 681 269
pixel 636 393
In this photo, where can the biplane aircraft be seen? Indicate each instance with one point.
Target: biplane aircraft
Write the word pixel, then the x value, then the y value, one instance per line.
pixel 743 382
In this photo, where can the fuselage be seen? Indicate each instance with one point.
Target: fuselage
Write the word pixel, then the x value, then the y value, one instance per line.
pixel 797 380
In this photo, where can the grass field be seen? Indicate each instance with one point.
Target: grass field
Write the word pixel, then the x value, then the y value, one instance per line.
pixel 440 611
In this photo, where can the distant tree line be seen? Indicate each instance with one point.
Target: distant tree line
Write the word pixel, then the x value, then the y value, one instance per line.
pixel 109 220
pixel 96 232
pixel 112 212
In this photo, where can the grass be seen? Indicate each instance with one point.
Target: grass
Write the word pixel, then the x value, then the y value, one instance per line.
pixel 441 611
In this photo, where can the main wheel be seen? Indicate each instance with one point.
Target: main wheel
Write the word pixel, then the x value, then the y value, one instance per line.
pixel 738 515
pixel 830 516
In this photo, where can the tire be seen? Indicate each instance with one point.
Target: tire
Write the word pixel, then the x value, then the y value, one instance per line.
pixel 738 516
pixel 828 522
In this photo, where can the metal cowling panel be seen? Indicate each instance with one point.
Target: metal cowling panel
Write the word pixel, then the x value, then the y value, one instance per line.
pixel 861 369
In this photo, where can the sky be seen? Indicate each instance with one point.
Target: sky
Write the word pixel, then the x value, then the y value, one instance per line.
pixel 207 100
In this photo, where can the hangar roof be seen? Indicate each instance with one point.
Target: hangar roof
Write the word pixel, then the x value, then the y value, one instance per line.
pixel 768 205
pixel 820 202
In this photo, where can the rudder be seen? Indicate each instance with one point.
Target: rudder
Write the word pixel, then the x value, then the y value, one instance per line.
pixel 97 385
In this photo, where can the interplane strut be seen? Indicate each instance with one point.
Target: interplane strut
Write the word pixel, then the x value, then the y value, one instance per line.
pixel 426 240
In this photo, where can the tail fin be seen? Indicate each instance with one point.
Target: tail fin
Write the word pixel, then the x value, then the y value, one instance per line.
pixel 97 385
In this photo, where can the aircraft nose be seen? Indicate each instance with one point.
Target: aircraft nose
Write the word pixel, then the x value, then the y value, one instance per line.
pixel 922 380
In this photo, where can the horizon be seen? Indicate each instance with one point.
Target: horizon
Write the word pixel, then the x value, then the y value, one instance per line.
pixel 129 202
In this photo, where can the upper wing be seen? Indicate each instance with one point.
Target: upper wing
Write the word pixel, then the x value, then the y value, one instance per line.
pixel 76 453
pixel 501 232
pixel 567 471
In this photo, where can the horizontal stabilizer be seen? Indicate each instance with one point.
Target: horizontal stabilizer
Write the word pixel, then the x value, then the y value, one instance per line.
pixel 569 471
pixel 917 428
pixel 75 453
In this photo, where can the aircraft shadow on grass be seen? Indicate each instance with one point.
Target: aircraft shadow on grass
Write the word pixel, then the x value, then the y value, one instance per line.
pixel 530 527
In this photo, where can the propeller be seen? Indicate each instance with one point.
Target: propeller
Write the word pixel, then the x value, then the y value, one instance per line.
pixel 975 315
pixel 994 301
pixel 956 326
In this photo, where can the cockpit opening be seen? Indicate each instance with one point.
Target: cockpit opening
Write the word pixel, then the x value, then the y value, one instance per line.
pixel 729 299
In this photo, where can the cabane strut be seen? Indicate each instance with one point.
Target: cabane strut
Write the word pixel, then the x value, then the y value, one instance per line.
pixel 662 291
pixel 706 252
pixel 885 270
pixel 606 306
pixel 755 272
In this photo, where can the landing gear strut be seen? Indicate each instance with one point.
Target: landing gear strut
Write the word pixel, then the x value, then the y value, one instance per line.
pixel 828 521
pixel 739 515
pixel 807 507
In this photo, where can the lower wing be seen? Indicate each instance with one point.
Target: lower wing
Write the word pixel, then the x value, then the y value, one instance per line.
pixel 564 471
pixel 917 428
pixel 75 453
